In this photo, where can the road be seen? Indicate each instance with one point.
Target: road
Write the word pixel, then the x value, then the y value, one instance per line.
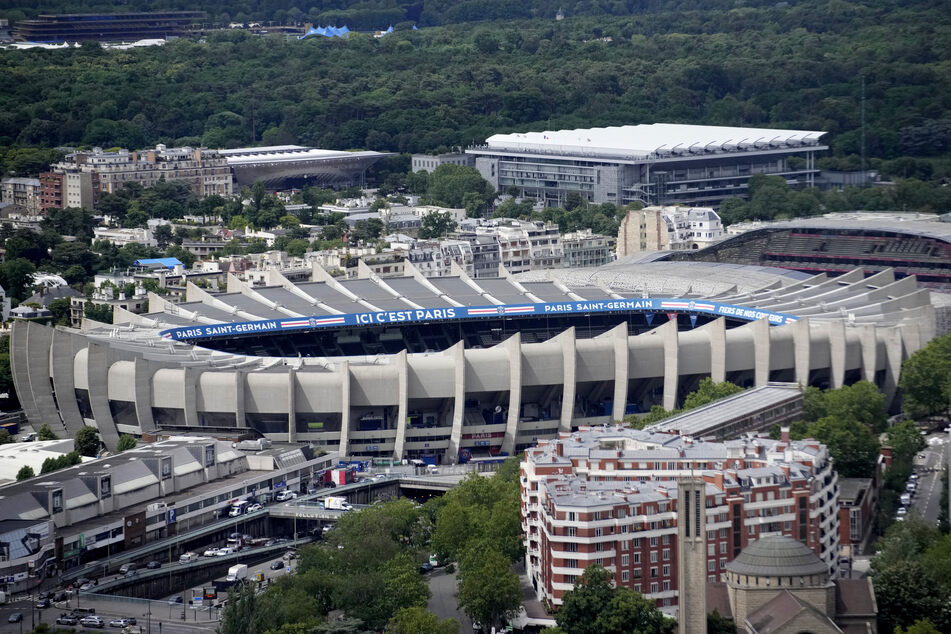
pixel 929 464
pixel 166 616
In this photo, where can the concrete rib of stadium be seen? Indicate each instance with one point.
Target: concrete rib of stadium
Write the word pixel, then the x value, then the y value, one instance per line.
pixel 449 365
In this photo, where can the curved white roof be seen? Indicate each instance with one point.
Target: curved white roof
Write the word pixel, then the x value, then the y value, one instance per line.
pixel 657 140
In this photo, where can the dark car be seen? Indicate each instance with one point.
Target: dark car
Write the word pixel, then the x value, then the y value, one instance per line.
pixel 59 596
pixel 177 599
pixel 277 565
pixel 426 567
pixel 154 564
pixel 43 604
pixel 81 581
pixel 15 617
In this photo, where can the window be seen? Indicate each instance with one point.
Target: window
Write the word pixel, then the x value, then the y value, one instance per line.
pixel 625 576
pixel 598 532
pixel 571 563
pixel 723 562
pixel 666 570
pixel 571 531
pixel 653 556
pixel 711 565
pixel 637 573
pixel 637 542
pixel 653 571
pixel 653 540
pixel 722 548
pixel 665 540
pixel 666 554
pixel 666 586
pixel 625 560
pixel 637 558
pixel 654 588
pixel 711 550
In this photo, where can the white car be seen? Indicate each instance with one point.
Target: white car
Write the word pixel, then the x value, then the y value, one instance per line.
pixel 92 621
pixel 254 507
pixel 902 511
pixel 285 495
pixel 187 557
pixel 211 552
pixel 224 552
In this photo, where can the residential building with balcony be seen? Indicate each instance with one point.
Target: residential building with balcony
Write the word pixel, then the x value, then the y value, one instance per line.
pixel 669 228
pixel 583 248
pixel 25 192
pixel 608 495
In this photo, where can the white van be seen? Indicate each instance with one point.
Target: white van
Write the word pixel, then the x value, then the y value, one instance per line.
pixel 188 557
pixel 237 509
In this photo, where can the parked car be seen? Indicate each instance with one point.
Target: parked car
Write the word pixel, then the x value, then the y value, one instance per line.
pixel 92 621
pixel 42 604
pixel 155 564
pixel 425 567
pixel 902 511
pixel 15 617
pixel 277 565
pixel 119 623
pixel 66 619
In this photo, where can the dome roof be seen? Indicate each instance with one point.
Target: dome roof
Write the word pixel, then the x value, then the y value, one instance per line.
pixel 777 556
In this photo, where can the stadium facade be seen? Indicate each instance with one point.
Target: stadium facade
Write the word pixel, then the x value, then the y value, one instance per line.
pixel 283 166
pixel 105 27
pixel 655 164
pixel 455 367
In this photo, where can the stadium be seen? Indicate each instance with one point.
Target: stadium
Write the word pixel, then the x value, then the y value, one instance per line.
pixel 453 368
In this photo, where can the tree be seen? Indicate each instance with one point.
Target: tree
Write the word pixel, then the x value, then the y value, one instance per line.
pixel 718 624
pixel 861 401
pixel 489 591
pixel 289 222
pixel 126 441
pixel 906 440
pixel 921 626
pixel 162 235
pixel 297 248
pixel 854 448
pixel 449 183
pixel 708 391
pixel 98 312
pixel 24 473
pixel 436 225
pixel 87 441
pixel 594 606
pixel 6 437
pixel 417 620
pixel 926 378
pixel 907 592
pixel 45 433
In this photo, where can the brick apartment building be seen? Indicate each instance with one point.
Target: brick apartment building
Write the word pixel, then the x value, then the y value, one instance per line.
pixel 608 495
pixel 80 178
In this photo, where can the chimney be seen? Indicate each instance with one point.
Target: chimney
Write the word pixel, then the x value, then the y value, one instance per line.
pixel 784 433
pixel 560 449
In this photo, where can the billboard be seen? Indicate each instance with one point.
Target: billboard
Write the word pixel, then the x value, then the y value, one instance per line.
pixel 649 306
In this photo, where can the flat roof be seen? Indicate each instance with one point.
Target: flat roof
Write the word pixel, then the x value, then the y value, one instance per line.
pixel 654 140
pixel 708 418
pixel 288 153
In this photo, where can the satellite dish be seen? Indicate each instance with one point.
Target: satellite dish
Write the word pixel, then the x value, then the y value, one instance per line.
pixel 498 409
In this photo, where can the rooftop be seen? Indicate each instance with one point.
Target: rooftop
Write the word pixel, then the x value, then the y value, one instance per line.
pixel 777 556
pixel 656 140
pixel 707 418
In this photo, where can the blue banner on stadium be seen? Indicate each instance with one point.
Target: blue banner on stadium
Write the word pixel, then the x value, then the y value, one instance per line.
pixel 423 315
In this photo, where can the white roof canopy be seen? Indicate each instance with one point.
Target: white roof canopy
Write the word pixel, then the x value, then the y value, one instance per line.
pixel 653 140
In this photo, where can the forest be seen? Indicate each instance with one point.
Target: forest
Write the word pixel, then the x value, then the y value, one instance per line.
pixel 796 65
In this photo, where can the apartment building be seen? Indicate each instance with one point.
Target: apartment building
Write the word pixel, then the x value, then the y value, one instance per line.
pixel 669 228
pixel 608 495
pixel 83 176
pixel 24 192
pixel 583 248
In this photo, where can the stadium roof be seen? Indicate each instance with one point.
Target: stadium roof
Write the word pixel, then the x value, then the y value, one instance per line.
pixel 169 263
pixel 656 140
pixel 287 153
pixel 916 224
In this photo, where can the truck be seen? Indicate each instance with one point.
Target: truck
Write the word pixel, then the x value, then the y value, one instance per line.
pixel 335 503
pixel 343 476
pixel 238 572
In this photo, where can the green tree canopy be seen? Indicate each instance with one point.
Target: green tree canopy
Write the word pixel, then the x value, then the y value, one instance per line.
pixel 449 183
pixel 595 606
pixel 87 441
pixel 417 620
pixel 24 473
pixel 926 378
pixel 436 225
pixel 45 433
pixel 126 441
